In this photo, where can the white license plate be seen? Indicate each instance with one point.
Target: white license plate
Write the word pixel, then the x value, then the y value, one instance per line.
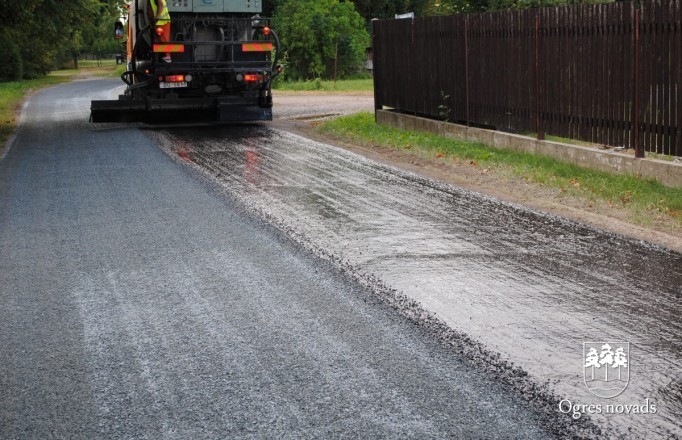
pixel 173 85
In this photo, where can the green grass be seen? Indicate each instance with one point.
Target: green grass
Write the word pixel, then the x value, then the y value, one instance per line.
pixel 11 95
pixel 119 70
pixel 93 64
pixel 345 85
pixel 106 68
pixel 646 199
pixel 660 156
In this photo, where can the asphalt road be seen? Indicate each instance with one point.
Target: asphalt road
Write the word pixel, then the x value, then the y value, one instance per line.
pixel 498 282
pixel 140 301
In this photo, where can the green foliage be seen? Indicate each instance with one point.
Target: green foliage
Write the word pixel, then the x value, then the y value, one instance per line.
pixel 345 85
pixel 370 9
pixel 12 66
pixel 270 6
pixel 99 39
pixel 444 109
pixel 447 7
pixel 496 5
pixel 49 31
pixel 13 12
pixel 321 38
pixel 383 9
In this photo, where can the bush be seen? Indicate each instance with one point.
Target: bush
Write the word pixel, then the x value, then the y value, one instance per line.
pixel 323 38
pixel 12 66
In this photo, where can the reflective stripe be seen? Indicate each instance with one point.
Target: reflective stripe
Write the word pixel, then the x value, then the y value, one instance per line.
pixel 257 47
pixel 169 48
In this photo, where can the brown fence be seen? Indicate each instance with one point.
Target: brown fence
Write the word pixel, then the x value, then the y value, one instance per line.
pixel 608 74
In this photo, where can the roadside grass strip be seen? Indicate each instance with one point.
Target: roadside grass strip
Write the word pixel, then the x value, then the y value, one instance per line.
pixel 647 200
pixel 345 85
pixel 11 95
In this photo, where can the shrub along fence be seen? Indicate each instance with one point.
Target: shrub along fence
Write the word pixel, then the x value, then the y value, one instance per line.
pixel 609 74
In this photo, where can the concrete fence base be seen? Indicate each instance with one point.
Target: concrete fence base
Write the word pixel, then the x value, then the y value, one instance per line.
pixel 668 173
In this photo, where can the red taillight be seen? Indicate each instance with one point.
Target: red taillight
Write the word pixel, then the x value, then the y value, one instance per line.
pixel 250 77
pixel 175 78
pixel 266 31
pixel 159 31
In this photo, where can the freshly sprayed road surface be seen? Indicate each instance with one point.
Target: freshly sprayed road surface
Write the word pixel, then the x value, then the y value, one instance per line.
pixel 137 301
pixel 533 289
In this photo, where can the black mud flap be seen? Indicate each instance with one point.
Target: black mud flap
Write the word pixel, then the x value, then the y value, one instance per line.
pixel 178 110
pixel 117 111
pixel 154 110
pixel 239 110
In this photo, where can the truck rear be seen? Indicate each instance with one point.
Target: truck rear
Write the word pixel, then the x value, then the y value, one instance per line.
pixel 217 63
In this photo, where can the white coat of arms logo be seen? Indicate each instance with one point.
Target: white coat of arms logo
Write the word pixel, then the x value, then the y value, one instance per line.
pixel 606 367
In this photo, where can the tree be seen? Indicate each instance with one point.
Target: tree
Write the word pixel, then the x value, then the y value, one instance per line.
pixel 99 40
pixel 13 16
pixel 270 6
pixel 13 13
pixel 321 38
pixel 619 360
pixel 592 360
pixel 47 30
pixel 370 9
pixel 496 5
pixel 12 67
pixel 447 7
pixel 606 358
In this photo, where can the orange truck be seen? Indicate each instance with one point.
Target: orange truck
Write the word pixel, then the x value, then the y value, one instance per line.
pixel 217 63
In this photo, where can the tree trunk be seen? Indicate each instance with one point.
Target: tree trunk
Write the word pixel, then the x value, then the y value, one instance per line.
pixel 336 61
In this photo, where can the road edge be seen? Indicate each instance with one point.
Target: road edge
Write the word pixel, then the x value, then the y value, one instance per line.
pixel 446 173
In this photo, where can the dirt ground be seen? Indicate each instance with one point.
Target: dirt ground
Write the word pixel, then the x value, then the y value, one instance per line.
pixel 297 114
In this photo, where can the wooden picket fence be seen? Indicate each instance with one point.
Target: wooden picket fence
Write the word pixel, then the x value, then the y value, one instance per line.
pixel 608 74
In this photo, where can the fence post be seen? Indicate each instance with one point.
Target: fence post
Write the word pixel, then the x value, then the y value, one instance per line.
pixel 377 82
pixel 639 149
pixel 413 67
pixel 466 67
pixel 538 121
pixel 677 148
